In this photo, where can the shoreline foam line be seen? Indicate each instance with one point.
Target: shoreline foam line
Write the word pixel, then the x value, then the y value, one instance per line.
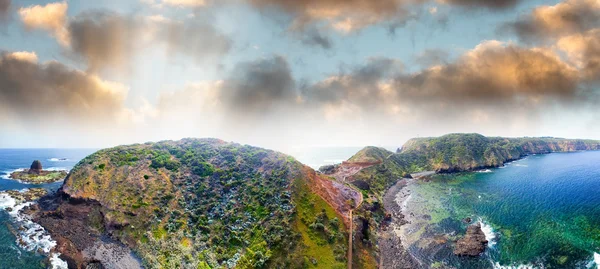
pixel 31 236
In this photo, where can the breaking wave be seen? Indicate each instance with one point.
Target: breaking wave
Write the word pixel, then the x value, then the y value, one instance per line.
pixel 520 266
pixel 31 236
pixel 58 159
pixel 490 235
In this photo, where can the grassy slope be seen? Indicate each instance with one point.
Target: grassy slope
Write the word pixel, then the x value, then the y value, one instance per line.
pixel 206 203
pixel 371 154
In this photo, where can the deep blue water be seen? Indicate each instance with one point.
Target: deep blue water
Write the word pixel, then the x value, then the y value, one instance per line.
pixel 544 212
pixel 11 255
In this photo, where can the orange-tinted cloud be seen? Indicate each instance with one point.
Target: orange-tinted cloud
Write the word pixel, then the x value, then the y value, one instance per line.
pixel 564 18
pixel 584 50
pixel 350 15
pixel 51 17
pixel 108 40
pixel 35 94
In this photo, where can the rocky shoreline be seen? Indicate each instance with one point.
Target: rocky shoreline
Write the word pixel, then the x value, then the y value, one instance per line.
pixel 85 244
pixel 30 235
pixel 392 252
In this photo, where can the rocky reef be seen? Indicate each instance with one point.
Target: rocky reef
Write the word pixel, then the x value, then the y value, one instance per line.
pixel 473 243
pixel 36 175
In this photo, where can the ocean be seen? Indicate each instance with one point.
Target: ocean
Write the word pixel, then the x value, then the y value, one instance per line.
pixel 539 212
pixel 33 252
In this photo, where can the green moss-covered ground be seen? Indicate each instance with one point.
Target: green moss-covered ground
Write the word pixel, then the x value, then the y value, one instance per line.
pixel 205 203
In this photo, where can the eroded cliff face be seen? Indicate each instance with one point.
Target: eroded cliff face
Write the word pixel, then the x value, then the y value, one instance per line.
pixel 465 152
pixel 200 203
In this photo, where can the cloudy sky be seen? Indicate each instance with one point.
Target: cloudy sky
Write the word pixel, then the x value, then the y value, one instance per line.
pixel 296 73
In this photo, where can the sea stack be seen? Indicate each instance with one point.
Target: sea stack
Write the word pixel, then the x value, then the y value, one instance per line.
pixel 36 167
pixel 473 244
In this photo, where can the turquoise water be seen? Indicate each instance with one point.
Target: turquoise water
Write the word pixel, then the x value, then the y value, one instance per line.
pixel 539 212
pixel 11 255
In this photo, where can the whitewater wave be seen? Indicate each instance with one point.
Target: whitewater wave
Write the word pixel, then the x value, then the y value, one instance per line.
pixel 519 266
pixel 31 236
pixel 490 235
pixel 58 263
pixel 484 171
pixel 58 160
pixel 597 259
pixel 57 169
pixel 521 165
pixel 6 173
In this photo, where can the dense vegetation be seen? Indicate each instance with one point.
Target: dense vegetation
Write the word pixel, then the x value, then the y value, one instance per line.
pixel 463 152
pixel 371 154
pixel 205 203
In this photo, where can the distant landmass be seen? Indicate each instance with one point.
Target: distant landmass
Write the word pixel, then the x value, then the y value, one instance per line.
pixel 206 203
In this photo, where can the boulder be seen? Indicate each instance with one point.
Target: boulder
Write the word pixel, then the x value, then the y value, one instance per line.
pixel 473 243
pixel 327 169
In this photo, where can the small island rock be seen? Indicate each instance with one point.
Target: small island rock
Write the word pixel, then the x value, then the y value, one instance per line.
pixel 36 167
pixel 473 243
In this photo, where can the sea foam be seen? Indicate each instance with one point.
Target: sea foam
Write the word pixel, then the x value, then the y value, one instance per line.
pixel 490 235
pixel 31 236
pixel 597 259
pixel 520 266
pixel 57 263
pixel 58 159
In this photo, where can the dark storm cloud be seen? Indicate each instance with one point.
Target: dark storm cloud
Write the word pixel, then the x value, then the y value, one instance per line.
pixel 109 40
pixel 491 4
pixel 432 57
pixel 256 87
pixel 492 78
pixel 314 37
pixel 360 85
pixel 568 17
pixel 194 38
pixel 36 93
pixel 4 10
pixel 104 39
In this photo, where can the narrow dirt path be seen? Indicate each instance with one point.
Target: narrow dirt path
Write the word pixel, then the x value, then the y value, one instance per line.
pixel 350 242
pixel 350 234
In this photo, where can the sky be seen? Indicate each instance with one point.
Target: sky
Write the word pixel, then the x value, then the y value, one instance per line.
pixel 285 74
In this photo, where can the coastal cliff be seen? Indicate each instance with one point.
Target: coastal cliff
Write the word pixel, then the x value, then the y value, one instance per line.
pixel 466 152
pixel 201 203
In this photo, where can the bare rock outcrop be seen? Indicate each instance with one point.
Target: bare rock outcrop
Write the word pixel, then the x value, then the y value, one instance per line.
pixel 473 243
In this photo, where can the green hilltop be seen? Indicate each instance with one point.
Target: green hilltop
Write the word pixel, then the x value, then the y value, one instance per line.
pixel 206 203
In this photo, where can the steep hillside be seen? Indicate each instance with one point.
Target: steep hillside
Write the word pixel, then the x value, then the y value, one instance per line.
pixel 463 152
pixel 205 203
pixel 371 155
